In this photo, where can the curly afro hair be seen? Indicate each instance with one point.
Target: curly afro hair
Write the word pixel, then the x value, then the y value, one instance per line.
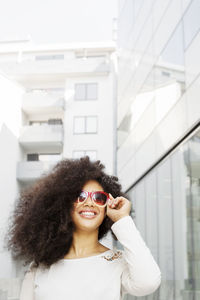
pixel 41 227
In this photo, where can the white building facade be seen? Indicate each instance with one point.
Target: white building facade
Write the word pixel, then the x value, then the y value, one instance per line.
pixel 158 157
pixel 10 153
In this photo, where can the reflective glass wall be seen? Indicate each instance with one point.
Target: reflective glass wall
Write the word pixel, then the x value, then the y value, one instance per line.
pixel 158 81
pixel 166 210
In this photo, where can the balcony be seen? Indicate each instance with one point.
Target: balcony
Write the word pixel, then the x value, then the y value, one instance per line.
pixel 31 70
pixel 29 171
pixel 43 138
pixel 39 102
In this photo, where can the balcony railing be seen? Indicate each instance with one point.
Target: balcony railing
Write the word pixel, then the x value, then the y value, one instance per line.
pixel 29 171
pixel 42 137
pixel 61 68
pixel 42 102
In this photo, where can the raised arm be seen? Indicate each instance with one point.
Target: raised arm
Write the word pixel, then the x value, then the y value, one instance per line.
pixel 141 275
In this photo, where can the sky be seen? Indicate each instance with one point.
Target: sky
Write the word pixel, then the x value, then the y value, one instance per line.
pixel 57 21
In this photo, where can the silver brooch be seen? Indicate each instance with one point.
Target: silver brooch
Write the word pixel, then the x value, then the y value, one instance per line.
pixel 113 255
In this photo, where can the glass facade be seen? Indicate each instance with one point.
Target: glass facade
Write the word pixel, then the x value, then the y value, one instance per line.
pixel 161 85
pixel 166 210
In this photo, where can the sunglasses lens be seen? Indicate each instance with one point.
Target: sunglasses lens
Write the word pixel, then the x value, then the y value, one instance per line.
pixel 82 197
pixel 100 198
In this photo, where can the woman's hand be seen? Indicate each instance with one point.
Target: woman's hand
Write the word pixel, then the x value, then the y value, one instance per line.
pixel 118 208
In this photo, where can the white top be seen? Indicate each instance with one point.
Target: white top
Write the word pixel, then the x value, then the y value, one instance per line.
pixel 109 275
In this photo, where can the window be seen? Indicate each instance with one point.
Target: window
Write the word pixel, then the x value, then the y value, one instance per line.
pixel 50 122
pixel 79 124
pixel 86 91
pixel 91 91
pixel 54 121
pixel 36 123
pixel 49 57
pixel 85 124
pixel 80 91
pixel 80 153
pixel 91 124
pixel 33 157
pixel 44 157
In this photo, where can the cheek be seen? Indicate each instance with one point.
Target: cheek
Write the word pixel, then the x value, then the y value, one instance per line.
pixel 103 211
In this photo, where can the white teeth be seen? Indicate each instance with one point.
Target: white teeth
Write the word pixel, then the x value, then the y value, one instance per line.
pixel 88 213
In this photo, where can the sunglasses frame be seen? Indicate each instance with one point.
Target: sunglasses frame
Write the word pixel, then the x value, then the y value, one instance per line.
pixel 91 194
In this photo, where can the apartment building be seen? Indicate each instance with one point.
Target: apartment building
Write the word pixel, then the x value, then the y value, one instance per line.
pixel 68 107
pixel 158 157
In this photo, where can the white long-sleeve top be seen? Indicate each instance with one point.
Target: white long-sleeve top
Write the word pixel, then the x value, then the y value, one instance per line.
pixel 109 275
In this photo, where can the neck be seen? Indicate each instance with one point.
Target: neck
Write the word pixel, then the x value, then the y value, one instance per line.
pixel 84 243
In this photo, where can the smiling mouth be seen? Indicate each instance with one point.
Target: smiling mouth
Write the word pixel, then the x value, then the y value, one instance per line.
pixel 88 215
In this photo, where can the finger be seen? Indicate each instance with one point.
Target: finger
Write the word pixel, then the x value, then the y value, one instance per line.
pixel 119 202
pixel 111 201
pixel 111 197
pixel 111 204
pixel 114 203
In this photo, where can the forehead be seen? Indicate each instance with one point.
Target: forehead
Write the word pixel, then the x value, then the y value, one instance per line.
pixel 92 185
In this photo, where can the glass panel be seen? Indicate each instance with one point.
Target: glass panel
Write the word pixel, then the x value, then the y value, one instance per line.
pixel 80 91
pixel 194 155
pixel 79 124
pixel 32 157
pixel 91 124
pixel 181 228
pixel 124 129
pixel 170 74
pixel 152 221
pixel 91 91
pixel 191 22
pixel 152 214
pixel 140 208
pixel 165 231
pixel 174 52
pixel 131 197
pixel 55 121
pixel 137 109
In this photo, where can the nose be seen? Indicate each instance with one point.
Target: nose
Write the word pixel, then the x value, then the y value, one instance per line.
pixel 89 198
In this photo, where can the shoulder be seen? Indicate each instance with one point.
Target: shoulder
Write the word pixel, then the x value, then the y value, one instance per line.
pixel 31 268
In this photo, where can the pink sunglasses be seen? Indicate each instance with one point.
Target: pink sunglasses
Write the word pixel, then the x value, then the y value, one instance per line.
pixel 100 198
